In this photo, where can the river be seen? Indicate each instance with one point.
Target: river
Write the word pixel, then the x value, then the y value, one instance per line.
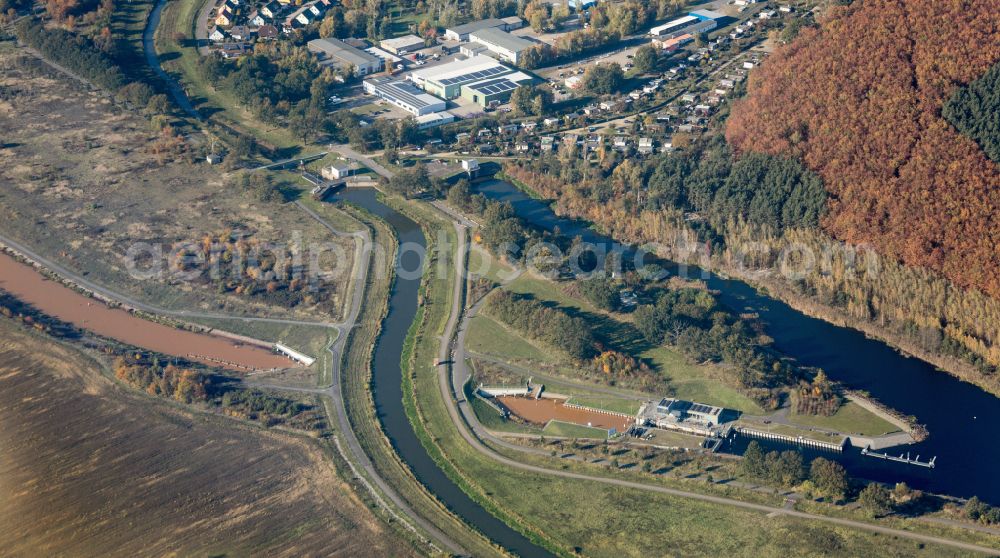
pixel 387 377
pixel 960 416
pixel 52 298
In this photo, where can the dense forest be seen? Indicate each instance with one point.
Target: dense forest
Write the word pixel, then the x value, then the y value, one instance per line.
pixel 859 101
pixel 975 111
pixel 876 161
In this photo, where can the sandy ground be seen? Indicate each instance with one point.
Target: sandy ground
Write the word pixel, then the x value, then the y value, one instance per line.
pixel 541 411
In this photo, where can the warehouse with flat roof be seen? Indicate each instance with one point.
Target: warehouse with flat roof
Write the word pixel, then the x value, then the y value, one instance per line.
pixel 494 90
pixel 461 32
pixel 506 46
pixel 404 95
pixel 695 22
pixel 402 45
pixel 446 80
pixel 337 53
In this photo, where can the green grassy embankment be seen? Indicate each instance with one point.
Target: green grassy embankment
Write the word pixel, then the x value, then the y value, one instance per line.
pixel 356 385
pixel 180 58
pixel 593 518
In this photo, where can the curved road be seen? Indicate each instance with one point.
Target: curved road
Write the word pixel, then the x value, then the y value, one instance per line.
pixel 354 453
pixel 452 354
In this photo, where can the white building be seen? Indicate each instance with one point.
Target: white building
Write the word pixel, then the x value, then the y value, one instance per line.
pixel 434 119
pixel 404 95
pixel 402 45
pixel 507 47
pixel 337 53
pixel 695 22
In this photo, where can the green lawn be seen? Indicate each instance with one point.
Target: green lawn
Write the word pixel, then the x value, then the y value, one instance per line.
pixel 851 418
pixel 483 264
pixel 491 419
pixel 608 403
pixel 181 61
pixel 543 289
pixel 691 382
pixel 570 430
pixel 489 337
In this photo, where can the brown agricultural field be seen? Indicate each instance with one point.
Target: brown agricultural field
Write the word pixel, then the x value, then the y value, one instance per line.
pixel 91 468
pixel 81 181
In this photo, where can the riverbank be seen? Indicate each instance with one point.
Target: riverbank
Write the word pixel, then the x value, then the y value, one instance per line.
pixel 94 314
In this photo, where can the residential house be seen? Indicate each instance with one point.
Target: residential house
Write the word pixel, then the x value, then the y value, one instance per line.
pixel 548 144
pixel 267 33
pixel 217 36
pixel 507 129
pixel 255 18
pixel 241 33
pixel 645 145
pixel 235 50
pixel 225 17
pixel 550 122
pixel 522 147
pixel 271 10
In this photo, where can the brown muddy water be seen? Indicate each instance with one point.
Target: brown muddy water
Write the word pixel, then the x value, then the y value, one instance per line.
pixel 59 301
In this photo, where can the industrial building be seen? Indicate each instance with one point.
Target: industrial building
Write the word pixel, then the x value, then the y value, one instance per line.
pixel 404 95
pixel 506 46
pixel 494 90
pixel 446 80
pixel 680 414
pixel 674 43
pixel 336 53
pixel 434 119
pixel 402 45
pixel 695 22
pixel 461 32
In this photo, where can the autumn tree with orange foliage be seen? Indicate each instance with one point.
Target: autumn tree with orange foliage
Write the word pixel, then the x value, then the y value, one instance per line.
pixel 859 102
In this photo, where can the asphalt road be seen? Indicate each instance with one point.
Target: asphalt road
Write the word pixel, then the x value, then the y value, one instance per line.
pixel 454 373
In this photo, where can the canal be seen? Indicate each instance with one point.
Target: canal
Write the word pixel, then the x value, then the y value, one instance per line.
pixel 961 417
pixel 387 377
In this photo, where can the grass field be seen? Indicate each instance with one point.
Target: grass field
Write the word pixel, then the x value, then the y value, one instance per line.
pixel 93 468
pixel 487 336
pixel 570 430
pixel 483 264
pixel 694 382
pixel 851 418
pixel 180 60
pixel 603 521
pixel 84 189
pixel 607 403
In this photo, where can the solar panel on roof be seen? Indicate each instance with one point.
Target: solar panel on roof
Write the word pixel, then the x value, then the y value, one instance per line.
pixel 473 76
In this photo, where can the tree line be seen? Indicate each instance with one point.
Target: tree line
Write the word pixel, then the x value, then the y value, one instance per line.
pixel 682 202
pixel 827 479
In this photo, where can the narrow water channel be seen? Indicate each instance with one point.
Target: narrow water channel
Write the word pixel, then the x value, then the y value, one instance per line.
pixel 387 377
pixel 962 418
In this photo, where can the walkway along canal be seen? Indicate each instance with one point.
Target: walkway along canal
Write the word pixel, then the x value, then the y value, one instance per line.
pixel 387 380
pixel 961 418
